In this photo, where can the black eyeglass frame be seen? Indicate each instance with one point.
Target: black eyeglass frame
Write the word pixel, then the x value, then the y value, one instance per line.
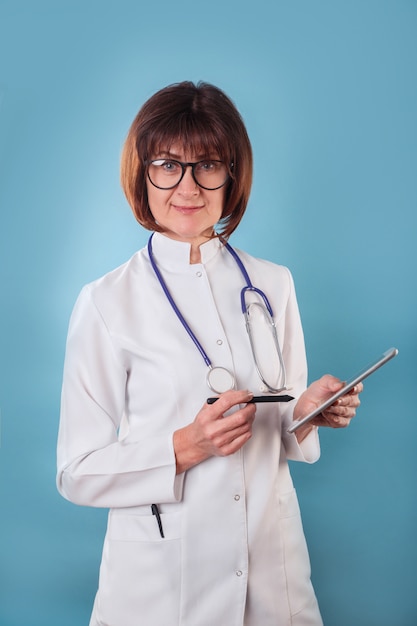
pixel 183 168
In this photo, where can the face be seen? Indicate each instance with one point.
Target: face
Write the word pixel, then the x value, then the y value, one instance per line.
pixel 187 212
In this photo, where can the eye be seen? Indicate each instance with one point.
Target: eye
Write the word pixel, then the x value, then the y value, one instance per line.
pixel 167 166
pixel 208 167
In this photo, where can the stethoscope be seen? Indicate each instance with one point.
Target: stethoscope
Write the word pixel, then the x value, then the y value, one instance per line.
pixel 219 379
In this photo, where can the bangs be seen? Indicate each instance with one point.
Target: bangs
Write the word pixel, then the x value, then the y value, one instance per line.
pixel 188 133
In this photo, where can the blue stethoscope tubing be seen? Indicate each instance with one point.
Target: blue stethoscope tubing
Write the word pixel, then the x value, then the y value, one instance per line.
pixel 248 287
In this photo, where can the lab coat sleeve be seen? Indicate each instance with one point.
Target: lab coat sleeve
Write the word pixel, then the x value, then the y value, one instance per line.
pixel 95 468
pixel 296 364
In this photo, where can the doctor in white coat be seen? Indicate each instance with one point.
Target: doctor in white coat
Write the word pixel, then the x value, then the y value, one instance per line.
pixel 204 526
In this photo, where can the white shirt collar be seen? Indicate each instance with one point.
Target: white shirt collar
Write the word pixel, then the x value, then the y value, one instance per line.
pixel 175 255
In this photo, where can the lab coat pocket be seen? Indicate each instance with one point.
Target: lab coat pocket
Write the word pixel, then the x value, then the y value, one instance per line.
pixel 126 527
pixel 140 573
pixel 296 558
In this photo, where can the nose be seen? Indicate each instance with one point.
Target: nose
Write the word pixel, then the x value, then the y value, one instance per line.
pixel 187 185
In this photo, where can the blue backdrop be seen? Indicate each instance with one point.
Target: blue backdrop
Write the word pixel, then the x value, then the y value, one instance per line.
pixel 328 91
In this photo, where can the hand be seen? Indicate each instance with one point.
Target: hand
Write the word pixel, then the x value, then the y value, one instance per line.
pixel 338 415
pixel 212 433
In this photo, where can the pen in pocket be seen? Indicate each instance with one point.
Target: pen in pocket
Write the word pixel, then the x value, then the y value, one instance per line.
pixel 155 511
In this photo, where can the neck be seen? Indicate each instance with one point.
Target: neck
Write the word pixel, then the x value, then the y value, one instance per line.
pixel 195 254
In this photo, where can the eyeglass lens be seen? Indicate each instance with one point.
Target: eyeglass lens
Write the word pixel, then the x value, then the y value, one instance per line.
pixel 167 173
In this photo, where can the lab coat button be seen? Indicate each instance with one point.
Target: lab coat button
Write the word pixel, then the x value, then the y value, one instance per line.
pixel 239 572
pixel 237 497
pixel 199 274
pixel 219 342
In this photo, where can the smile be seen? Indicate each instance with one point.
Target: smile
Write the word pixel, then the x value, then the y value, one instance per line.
pixel 186 209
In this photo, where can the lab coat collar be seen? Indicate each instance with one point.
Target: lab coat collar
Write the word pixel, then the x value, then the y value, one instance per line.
pixel 175 255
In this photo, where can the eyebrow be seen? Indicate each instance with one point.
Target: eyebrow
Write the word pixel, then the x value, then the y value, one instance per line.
pixel 167 153
pixel 176 157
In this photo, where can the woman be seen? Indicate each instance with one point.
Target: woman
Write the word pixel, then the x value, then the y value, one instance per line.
pixel 204 526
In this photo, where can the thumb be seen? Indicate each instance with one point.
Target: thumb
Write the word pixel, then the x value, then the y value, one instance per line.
pixel 331 383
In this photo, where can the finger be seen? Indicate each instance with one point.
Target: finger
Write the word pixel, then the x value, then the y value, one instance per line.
pixel 238 425
pixel 234 440
pixel 221 431
pixel 239 418
pixel 236 444
pixel 329 383
pixel 351 398
pixel 355 391
pixel 231 398
pixel 348 411
pixel 335 420
pixel 339 422
pixel 229 436
pixel 342 407
pixel 347 401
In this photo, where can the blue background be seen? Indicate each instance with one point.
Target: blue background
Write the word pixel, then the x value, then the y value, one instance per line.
pixel 328 91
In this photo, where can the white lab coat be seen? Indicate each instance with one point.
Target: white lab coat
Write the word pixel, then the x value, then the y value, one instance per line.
pixel 234 552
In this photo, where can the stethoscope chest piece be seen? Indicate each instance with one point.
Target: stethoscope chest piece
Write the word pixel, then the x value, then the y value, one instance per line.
pixel 219 379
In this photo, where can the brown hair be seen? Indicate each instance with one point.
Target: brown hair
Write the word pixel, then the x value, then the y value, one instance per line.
pixel 202 119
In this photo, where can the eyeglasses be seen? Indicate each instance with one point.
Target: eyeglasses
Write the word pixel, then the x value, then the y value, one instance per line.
pixel 168 173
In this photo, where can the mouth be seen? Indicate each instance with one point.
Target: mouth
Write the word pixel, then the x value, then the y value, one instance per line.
pixel 186 209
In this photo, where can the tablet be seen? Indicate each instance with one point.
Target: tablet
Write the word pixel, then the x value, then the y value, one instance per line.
pixel 372 367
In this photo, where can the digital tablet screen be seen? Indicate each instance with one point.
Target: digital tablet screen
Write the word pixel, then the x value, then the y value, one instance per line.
pixel 372 367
